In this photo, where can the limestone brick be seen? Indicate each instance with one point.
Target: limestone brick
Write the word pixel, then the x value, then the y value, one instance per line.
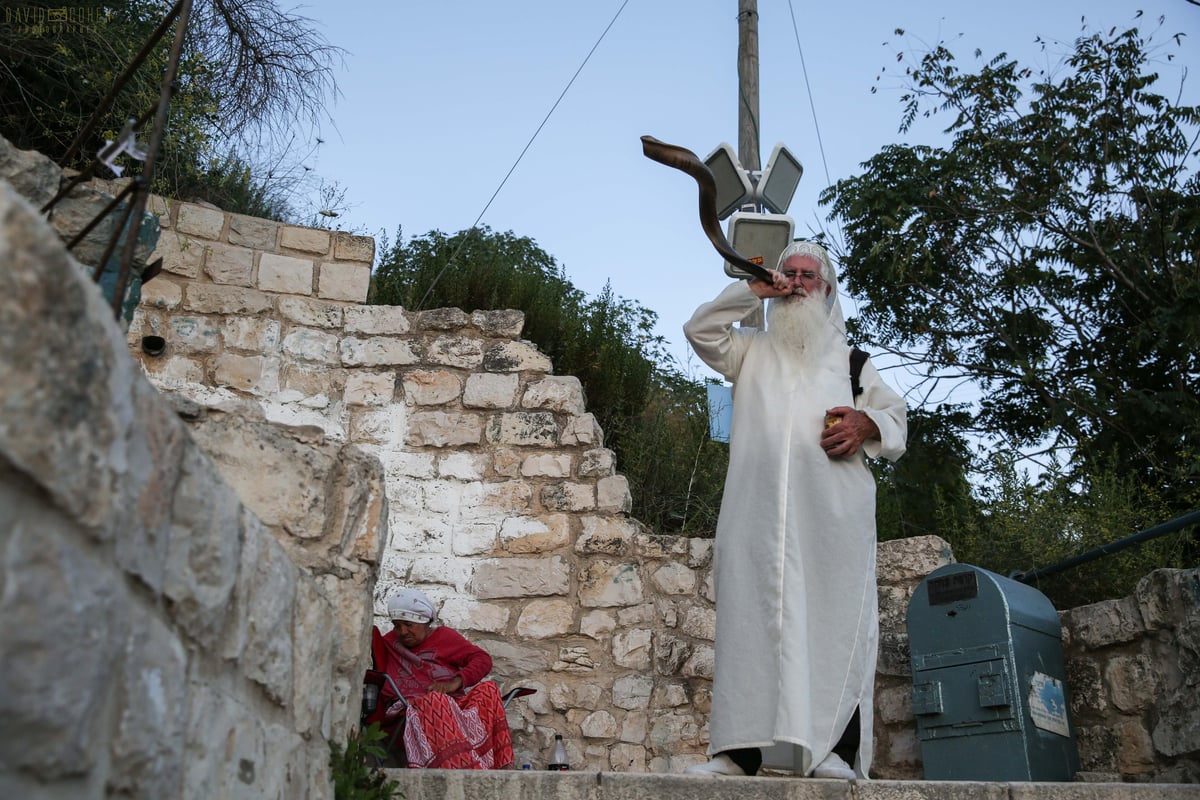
pixel 597 624
pixel 556 393
pixel 348 247
pixel 612 494
pixel 597 462
pixel 489 390
pixel 1162 594
pixel 639 614
pixel 369 388
pixel 546 465
pixel 518 356
pixel 162 293
pixel 670 652
pixel 577 659
pixel 624 757
pixel 506 323
pixel 285 274
pixel 251 333
pixel 908 561
pixel 1132 682
pixel 699 552
pixel 506 462
pixel 701 623
pixel 1105 623
pixel 568 496
pixel 229 265
pixel 310 380
pixel 598 725
pixel 315 636
pixel 305 344
pixel 508 497
pixel 894 704
pixel 378 424
pixel 581 430
pixel 575 696
pixel 672 695
pixel 475 539
pixel 193 335
pixel 209 299
pixel 344 281
pixel 306 240
pixel 378 351
pixel 176 371
pixel 632 692
pixel 376 320
pixel 311 313
pixel 545 619
pixel 259 234
pixel 443 429
pixel 632 648
pixel 527 535
pixel 523 429
pixel 181 254
pixel 254 374
pixel 635 726
pixel 433 572
pixel 700 663
pixel 606 584
pixel 464 614
pixel 521 577
pixel 431 387
pixel 1135 749
pixel 206 223
pixel 606 535
pixel 463 352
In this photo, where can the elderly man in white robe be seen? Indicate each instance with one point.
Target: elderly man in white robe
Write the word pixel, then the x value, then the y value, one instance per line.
pixel 797 616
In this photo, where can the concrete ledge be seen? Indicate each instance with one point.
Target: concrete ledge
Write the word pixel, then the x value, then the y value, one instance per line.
pixel 543 785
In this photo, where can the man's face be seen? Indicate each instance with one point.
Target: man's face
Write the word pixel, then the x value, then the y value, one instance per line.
pixel 804 273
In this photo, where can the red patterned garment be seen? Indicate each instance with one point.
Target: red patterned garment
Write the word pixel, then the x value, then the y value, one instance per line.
pixel 459 733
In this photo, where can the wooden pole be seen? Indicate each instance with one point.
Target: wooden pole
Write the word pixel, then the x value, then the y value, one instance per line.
pixel 748 143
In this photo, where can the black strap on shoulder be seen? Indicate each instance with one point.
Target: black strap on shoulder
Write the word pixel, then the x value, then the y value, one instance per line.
pixel 857 359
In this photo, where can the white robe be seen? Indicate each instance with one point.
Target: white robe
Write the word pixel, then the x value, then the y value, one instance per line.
pixel 797 611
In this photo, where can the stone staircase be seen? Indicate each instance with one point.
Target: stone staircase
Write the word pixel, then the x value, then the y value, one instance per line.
pixel 543 785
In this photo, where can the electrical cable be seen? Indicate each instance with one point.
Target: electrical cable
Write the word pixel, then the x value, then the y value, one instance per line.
pixel 811 104
pixel 513 168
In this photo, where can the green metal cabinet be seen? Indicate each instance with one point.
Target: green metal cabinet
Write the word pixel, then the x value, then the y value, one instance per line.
pixel 989 689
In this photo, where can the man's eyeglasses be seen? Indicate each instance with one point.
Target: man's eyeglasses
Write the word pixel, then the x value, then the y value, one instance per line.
pixel 805 275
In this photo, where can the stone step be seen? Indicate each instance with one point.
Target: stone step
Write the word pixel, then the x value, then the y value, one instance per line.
pixel 542 785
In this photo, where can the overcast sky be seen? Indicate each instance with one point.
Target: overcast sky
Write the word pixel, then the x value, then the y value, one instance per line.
pixel 440 98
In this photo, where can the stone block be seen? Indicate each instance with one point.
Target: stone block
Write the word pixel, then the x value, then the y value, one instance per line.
pixel 612 494
pixel 508 497
pixel 597 463
pixel 431 387
pixel 348 247
pixel 463 352
pixel 306 240
pixel 489 390
pixel 604 584
pixel 181 255
pixel 246 373
pixel 582 430
pixel 699 664
pixel 624 757
pixel 442 319
pixel 1105 623
pixel 523 429
pixel 521 577
pixel 568 496
pixel 605 535
pixel 252 333
pixel 463 466
pixel 226 264
pixel 285 274
pixel 443 429
pixel 598 725
pixel 464 614
pixel 206 223
pixel 700 623
pixel 631 648
pixel 546 465
pixel 194 335
pixel 1166 597
pixel 369 388
pixel 260 234
pixel 1132 682
pixel 314 346
pixel 519 356
pixel 908 561
pixel 344 281
pixel 376 320
pixel 597 624
pixel 378 351
pixel 311 313
pixel 162 293
pixel 506 323
pixel 527 535
pixel 674 579
pixel 208 299
pixel 545 619
pixel 563 394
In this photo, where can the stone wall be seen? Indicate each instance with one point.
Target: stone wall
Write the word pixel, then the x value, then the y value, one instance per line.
pixel 158 641
pixel 1133 668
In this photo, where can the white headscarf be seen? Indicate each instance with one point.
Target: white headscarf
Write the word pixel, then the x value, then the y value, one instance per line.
pixel 410 605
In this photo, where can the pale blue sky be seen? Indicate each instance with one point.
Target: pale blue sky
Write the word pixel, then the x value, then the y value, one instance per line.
pixel 439 99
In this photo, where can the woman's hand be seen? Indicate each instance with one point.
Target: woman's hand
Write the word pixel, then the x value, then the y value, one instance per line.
pixel 447 687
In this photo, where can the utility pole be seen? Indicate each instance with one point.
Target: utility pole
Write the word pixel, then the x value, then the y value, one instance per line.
pixel 748 144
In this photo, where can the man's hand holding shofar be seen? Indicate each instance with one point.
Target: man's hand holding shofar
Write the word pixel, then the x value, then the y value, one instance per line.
pixel 844 436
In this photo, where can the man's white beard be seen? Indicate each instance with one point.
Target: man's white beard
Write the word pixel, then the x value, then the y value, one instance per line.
pixel 799 323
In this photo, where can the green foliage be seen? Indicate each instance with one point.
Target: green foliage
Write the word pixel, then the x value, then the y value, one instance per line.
pixel 354 777
pixel 1049 254
pixel 654 419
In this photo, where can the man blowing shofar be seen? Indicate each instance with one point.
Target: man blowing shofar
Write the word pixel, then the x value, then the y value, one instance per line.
pixel 797 615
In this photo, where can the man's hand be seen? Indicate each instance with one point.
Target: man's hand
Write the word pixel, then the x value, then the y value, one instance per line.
pixel 447 687
pixel 778 287
pixel 845 437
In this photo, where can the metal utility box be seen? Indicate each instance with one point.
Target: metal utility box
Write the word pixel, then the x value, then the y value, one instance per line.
pixel 989 690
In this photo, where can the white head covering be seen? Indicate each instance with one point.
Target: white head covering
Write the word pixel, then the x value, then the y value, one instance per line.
pixel 410 605
pixel 828 272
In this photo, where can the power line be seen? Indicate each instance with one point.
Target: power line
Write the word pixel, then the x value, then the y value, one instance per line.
pixel 513 168
pixel 804 70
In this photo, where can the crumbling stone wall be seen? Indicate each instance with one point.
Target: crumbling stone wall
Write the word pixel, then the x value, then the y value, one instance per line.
pixel 158 641
pixel 1133 668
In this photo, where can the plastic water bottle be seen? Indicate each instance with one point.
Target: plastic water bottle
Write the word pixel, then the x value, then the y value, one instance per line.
pixel 558 755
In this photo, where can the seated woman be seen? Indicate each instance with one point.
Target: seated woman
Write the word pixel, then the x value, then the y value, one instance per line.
pixel 455 719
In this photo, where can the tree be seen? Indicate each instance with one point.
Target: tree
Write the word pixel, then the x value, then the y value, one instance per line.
pixel 1048 253
pixel 249 74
